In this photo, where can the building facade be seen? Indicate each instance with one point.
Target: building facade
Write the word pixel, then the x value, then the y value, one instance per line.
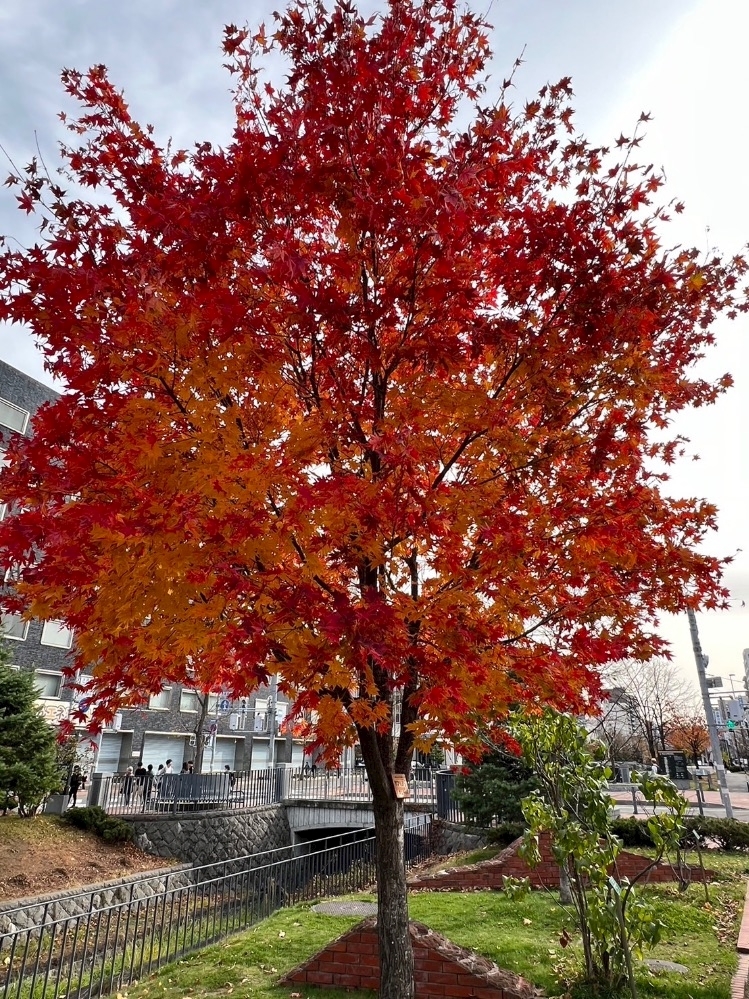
pixel 248 734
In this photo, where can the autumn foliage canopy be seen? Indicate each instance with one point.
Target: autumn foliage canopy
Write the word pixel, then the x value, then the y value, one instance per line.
pixel 376 395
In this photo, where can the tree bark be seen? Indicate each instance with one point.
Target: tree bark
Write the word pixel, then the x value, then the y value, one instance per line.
pixel 396 953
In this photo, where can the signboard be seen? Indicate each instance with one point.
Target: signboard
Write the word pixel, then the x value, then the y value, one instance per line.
pixel 400 785
pixel 735 710
pixel 714 681
pixel 674 765
pixel 54 712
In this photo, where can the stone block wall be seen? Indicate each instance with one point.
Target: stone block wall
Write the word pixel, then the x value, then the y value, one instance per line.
pixel 206 837
pixel 449 837
pixel 440 967
pixel 22 913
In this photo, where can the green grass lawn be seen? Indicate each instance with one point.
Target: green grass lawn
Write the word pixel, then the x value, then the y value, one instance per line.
pixel 521 935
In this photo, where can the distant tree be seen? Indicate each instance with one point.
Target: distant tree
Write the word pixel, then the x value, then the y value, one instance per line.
pixel 656 692
pixel 494 788
pixel 617 728
pixel 28 759
pixel 688 734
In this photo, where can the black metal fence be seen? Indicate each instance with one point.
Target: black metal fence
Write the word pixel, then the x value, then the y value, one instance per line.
pixel 446 807
pixel 106 948
pixel 123 794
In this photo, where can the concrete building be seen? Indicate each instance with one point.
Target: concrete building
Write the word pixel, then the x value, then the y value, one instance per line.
pixel 242 735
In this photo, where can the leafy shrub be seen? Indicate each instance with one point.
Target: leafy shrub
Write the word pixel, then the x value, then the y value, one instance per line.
pixel 632 832
pixel 505 833
pixel 115 831
pixel 8 802
pixel 90 819
pixel 728 834
pixel 493 789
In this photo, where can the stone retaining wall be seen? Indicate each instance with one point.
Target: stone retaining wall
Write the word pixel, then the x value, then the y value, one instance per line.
pixel 206 837
pixel 22 913
pixel 449 837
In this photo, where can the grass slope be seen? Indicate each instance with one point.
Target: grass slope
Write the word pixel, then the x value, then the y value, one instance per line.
pixel 45 854
pixel 521 935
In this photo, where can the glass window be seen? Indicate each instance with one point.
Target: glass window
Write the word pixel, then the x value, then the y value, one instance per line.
pixel 13 417
pixel 14 627
pixel 162 700
pixel 188 701
pixel 55 633
pixel 48 684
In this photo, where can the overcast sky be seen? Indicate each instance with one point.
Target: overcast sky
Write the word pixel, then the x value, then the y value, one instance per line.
pixel 681 60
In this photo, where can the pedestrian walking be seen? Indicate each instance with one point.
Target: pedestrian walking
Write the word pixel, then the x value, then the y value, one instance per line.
pixel 127 785
pixel 76 782
pixel 140 781
pixel 148 783
pixel 168 769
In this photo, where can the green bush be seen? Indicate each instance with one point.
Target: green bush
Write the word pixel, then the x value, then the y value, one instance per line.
pixel 728 834
pixel 632 832
pixel 505 833
pixel 491 791
pixel 115 831
pixel 90 819
pixel 96 820
pixel 8 802
pixel 28 771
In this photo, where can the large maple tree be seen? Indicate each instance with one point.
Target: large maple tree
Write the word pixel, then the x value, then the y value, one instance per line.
pixel 374 396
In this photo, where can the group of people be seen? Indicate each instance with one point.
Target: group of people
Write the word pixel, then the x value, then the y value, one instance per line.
pixel 140 784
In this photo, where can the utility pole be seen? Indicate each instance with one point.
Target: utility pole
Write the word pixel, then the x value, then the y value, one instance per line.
pixel 712 728
pixel 272 720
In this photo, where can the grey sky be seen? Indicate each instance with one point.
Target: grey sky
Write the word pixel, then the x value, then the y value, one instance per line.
pixel 681 59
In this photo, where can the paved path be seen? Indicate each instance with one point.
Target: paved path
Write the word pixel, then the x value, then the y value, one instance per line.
pixel 712 805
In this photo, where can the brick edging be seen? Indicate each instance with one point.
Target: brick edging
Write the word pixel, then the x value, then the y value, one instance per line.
pixel 741 977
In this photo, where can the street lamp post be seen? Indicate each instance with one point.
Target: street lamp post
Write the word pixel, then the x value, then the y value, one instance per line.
pixel 701 663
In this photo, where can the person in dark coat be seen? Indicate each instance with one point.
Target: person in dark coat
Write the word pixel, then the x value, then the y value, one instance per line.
pixel 127 785
pixel 76 782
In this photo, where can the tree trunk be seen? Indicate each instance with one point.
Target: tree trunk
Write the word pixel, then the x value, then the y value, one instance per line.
pixel 396 953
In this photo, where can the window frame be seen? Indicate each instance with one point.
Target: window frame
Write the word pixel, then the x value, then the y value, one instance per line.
pixel 60 678
pixel 18 409
pixel 56 645
pixel 157 707
pixel 14 638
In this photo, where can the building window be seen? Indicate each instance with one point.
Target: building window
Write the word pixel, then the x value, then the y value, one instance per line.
pixel 14 627
pixel 161 701
pixel 48 684
pixel 188 701
pixel 260 715
pixel 56 634
pixel 13 417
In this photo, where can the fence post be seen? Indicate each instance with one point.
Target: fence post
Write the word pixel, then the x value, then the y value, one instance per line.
pixel 98 794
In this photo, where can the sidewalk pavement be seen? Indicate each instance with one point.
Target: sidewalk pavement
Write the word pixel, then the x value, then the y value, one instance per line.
pixel 712 805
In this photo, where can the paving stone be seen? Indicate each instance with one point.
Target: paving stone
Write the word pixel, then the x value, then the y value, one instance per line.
pixel 679 969
pixel 346 908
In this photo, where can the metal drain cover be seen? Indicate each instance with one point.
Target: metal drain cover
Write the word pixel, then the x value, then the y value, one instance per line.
pixel 346 908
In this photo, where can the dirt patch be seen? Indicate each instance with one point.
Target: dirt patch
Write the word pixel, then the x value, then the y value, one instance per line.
pixel 44 854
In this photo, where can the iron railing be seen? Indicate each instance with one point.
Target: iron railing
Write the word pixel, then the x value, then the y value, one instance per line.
pixel 110 946
pixel 129 795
